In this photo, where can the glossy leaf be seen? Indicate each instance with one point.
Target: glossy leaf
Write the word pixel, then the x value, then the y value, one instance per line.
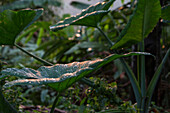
pixel 155 78
pixel 88 17
pixel 59 76
pixel 12 23
pixel 166 13
pixel 143 21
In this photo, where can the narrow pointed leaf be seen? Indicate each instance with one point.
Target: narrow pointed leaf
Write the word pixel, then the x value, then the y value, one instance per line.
pixel 142 22
pixel 134 82
pixel 88 17
pixel 155 78
pixel 60 76
pixel 165 14
pixel 12 23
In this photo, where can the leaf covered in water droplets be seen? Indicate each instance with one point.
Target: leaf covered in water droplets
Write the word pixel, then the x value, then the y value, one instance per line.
pixel 88 17
pixel 59 76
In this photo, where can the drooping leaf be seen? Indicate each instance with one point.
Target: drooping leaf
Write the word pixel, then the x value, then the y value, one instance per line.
pixel 22 4
pixel 12 23
pixel 59 76
pixel 79 5
pixel 166 13
pixel 144 19
pixel 88 17
pixel 155 78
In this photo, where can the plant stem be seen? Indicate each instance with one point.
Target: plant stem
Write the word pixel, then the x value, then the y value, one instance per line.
pixel 54 103
pixel 111 17
pixel 142 72
pixel 36 57
pixel 110 42
pixel 142 76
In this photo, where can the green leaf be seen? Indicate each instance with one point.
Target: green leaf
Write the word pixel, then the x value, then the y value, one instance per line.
pixel 79 5
pixel 40 35
pixel 12 23
pixel 88 17
pixel 25 33
pixel 155 78
pixel 134 82
pixel 166 13
pixel 143 21
pixel 60 76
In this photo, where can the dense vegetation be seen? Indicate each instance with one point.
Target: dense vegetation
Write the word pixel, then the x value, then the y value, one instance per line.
pixel 83 63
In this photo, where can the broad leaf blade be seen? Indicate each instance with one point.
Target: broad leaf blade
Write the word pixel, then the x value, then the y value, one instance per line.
pixel 155 78
pixel 12 23
pixel 88 17
pixel 144 19
pixel 165 14
pixel 60 76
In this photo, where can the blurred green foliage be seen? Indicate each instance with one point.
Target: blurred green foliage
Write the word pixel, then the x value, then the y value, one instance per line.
pixel 67 45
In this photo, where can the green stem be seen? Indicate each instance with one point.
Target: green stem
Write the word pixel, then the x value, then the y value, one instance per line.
pixel 112 19
pixel 143 85
pixel 110 42
pixel 54 103
pixel 142 76
pixel 36 57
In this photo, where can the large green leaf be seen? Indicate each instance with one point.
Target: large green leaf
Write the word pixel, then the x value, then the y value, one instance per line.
pixel 166 13
pixel 12 23
pixel 20 4
pixel 88 17
pixel 59 76
pixel 144 19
